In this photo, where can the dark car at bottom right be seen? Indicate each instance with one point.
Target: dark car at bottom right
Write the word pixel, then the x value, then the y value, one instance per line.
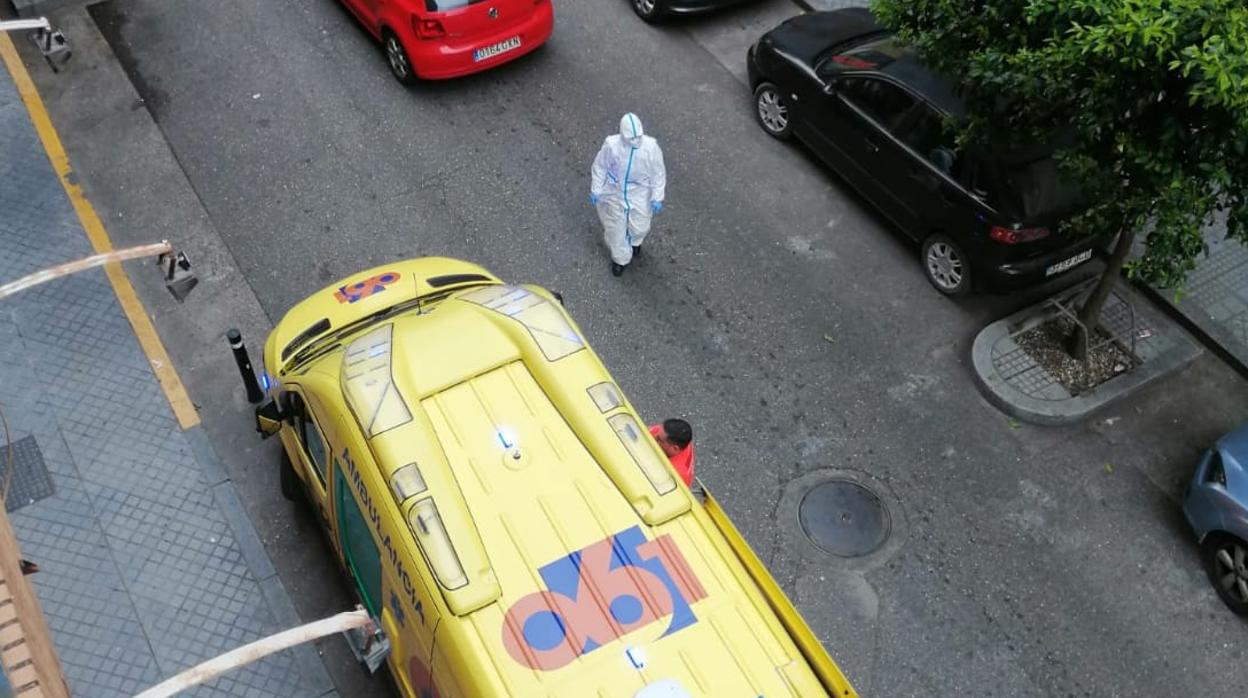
pixel 865 104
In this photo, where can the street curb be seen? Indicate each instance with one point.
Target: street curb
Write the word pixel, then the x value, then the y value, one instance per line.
pixel 1023 407
pixel 828 5
pixel 312 669
pixel 206 455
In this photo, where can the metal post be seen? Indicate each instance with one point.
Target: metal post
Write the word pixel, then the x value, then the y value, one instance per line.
pixel 13 25
pixel 51 42
pixel 254 393
pixel 260 648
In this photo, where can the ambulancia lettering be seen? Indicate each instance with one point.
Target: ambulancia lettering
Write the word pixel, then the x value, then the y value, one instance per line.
pixel 374 519
pixel 598 594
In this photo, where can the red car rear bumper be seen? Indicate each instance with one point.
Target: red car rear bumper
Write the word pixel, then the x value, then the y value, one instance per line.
pixel 439 59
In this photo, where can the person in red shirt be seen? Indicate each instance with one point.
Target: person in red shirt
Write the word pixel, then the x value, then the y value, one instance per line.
pixel 675 437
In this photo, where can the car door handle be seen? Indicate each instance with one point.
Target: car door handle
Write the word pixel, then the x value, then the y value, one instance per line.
pixel 872 147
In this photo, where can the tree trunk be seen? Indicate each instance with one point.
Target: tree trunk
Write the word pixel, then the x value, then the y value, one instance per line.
pixel 1090 313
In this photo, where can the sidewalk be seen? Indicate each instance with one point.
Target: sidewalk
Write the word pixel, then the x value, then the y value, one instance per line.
pixel 148 565
pixel 1214 300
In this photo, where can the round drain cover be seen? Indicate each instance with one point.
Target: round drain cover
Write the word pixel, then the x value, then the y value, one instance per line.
pixel 844 518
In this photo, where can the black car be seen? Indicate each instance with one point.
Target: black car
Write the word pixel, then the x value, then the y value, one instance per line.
pixel 654 10
pixel 862 101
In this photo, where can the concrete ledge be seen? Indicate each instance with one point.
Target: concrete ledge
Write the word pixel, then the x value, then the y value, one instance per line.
pixel 206 456
pixel 36 8
pixel 822 5
pixel 1167 351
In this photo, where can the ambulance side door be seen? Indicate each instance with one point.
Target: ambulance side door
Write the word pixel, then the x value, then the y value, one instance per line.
pixel 312 446
pixel 391 592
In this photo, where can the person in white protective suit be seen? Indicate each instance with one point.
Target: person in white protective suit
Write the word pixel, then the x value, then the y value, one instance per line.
pixel 627 186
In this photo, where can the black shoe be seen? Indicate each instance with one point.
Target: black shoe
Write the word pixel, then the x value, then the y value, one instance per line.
pixel 637 250
pixel 617 269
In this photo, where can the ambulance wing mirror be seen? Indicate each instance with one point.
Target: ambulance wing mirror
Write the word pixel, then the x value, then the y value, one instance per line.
pixel 269 418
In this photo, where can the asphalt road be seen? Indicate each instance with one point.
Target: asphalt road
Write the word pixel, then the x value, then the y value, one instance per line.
pixel 772 308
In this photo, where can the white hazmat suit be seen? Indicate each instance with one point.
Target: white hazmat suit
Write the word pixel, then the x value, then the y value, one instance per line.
pixel 628 184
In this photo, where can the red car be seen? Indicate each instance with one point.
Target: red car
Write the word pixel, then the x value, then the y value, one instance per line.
pixel 435 39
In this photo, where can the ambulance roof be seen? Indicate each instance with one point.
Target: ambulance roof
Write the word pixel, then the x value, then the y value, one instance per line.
pixel 578 564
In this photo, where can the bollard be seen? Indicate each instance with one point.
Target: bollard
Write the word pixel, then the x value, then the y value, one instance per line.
pixel 254 393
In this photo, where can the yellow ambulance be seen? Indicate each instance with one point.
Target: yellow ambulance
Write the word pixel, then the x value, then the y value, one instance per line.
pixel 503 512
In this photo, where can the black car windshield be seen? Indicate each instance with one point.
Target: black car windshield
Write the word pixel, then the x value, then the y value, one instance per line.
pixel 871 53
pixel 444 5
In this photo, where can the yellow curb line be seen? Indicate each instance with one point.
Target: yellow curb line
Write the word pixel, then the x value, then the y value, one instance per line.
pixel 175 392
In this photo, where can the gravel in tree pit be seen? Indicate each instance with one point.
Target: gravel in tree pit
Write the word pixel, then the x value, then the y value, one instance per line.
pixel 1045 344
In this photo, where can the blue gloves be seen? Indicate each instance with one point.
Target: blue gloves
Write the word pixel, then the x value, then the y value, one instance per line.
pixel 593 198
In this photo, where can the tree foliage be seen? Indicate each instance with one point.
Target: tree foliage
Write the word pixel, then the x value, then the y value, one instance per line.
pixel 1154 92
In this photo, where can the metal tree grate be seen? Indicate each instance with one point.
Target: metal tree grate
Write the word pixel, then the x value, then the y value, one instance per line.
pixel 1117 318
pixel 1020 370
pixel 31 480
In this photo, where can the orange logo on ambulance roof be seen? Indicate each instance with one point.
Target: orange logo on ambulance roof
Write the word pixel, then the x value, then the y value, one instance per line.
pixel 601 593
pixel 363 289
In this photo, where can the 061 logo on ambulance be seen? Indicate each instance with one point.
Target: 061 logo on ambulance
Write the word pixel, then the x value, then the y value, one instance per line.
pixel 363 289
pixel 601 593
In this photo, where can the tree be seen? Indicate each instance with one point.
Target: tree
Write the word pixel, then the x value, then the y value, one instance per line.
pixel 1153 93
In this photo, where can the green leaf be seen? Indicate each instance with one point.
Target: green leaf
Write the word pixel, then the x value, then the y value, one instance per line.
pixel 1153 92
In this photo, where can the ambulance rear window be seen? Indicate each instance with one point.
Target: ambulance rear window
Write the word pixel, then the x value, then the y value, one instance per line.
pixel 369 385
pixel 546 323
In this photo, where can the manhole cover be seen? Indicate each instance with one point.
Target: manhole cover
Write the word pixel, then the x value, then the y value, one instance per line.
pixel 30 481
pixel 844 518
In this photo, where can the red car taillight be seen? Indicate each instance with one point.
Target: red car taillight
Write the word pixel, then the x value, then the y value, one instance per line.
pixel 1013 236
pixel 428 28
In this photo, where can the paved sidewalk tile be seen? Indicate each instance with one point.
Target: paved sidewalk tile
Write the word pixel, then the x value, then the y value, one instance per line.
pixel 141 575
pixel 1215 296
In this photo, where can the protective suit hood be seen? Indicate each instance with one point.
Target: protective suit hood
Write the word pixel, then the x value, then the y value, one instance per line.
pixel 630 129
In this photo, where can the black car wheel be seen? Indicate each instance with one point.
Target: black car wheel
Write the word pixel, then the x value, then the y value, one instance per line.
pixel 396 57
pixel 650 10
pixel 946 265
pixel 1226 563
pixel 292 488
pixel 772 111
